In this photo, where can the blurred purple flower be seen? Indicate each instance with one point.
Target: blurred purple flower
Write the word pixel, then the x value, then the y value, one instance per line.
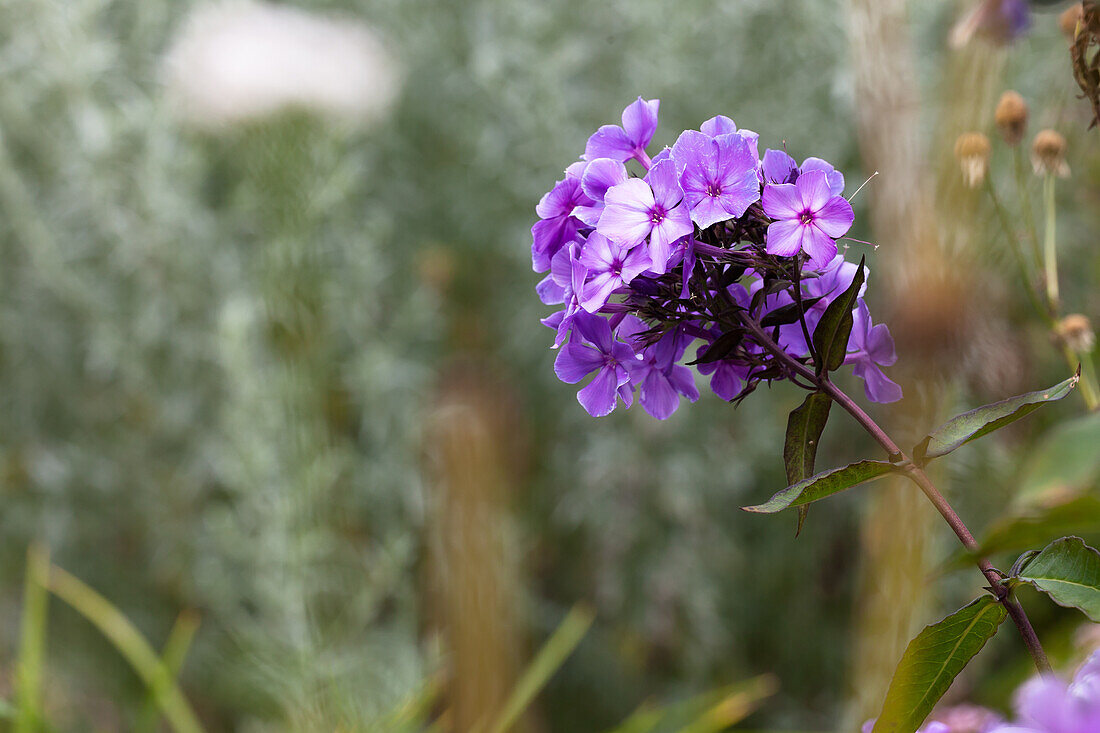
pixel 1049 705
pixel 807 217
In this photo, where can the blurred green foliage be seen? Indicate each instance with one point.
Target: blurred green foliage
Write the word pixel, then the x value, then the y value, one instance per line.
pixel 218 353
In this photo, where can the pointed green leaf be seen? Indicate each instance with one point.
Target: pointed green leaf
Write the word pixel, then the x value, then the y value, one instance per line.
pixel 822 485
pixel 835 326
pixel 932 660
pixel 1068 571
pixel 968 426
pixel 804 426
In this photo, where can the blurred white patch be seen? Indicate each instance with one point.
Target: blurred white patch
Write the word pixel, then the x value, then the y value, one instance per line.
pixel 242 60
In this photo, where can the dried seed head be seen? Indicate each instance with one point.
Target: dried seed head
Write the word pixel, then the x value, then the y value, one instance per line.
pixel 1077 332
pixel 1048 154
pixel 972 151
pixel 1011 117
pixel 1069 19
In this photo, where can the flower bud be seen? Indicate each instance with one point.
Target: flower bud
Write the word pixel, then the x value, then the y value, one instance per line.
pixel 1076 330
pixel 972 150
pixel 1048 154
pixel 1011 117
pixel 1069 19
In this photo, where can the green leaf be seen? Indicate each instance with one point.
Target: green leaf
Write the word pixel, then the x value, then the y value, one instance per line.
pixel 1068 571
pixel 835 326
pixel 932 660
pixel 968 426
pixel 822 485
pixel 1065 460
pixel 804 426
pixel 1035 526
pixel 721 347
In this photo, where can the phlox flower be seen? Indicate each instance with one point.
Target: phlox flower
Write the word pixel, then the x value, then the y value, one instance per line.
pixel 649 207
pixel 778 167
pixel 660 379
pixel 599 175
pixel 871 347
pixel 556 225
pixel 610 266
pixel 593 349
pixel 564 284
pixel 807 218
pixel 630 140
pixel 718 175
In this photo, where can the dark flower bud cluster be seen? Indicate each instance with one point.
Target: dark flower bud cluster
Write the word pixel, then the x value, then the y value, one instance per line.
pixel 706 251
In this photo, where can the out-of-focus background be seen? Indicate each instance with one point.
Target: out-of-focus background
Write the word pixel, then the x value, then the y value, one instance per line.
pixel 271 369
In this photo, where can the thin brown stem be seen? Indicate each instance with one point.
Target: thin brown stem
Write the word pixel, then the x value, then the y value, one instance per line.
pixel 917 475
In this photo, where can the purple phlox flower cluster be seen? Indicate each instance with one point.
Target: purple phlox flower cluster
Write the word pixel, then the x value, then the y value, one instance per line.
pixel 656 258
pixel 1050 705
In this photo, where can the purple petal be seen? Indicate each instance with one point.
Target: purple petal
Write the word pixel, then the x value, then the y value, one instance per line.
pixel 782 201
pixel 880 346
pixel 675 226
pixel 665 183
pixel 692 149
pixel 640 121
pixel 594 329
pixel 548 236
pixel 658 398
pixel 599 253
pixel 818 245
pixel 835 217
pixel 576 361
pixel 600 175
pixel 627 217
pixel 598 398
pixel 725 382
pixel 550 292
pixel 813 188
pixel 559 200
pixel 681 380
pixel 718 125
pixel 834 177
pixel 777 167
pixel 784 237
pixel 597 290
pixel 610 141
pixel 637 261
pixel 876 385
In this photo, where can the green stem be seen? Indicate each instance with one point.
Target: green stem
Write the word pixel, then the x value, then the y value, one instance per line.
pixel 1024 202
pixel 32 649
pixel 1018 254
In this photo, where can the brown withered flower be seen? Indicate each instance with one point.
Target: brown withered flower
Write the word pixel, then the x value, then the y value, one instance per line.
pixel 972 152
pixel 1048 154
pixel 1011 117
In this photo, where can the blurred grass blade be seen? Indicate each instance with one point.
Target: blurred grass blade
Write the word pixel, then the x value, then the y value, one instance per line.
pixel 32 649
pixel 714 710
pixel 549 659
pixel 130 644
pixel 413 713
pixel 173 657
